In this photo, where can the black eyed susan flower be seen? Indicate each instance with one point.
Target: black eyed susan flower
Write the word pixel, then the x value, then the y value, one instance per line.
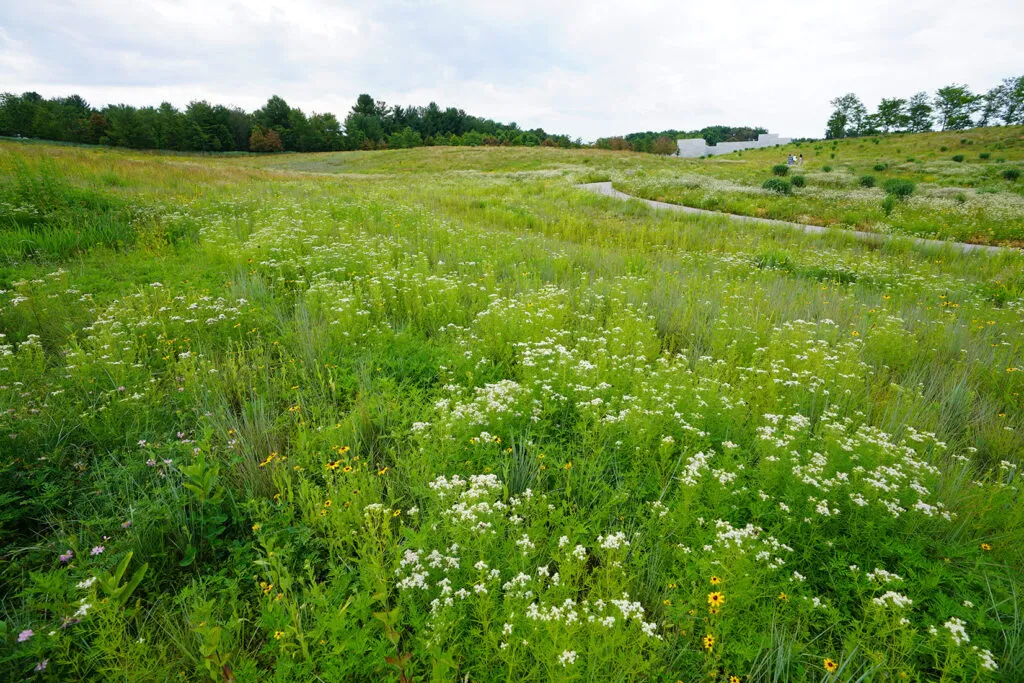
pixel 716 599
pixel 709 641
pixel 831 666
pixel 986 547
pixel 715 580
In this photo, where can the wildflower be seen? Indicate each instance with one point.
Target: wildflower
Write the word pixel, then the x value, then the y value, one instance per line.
pixel 382 471
pixel 715 580
pixel 568 465
pixel 709 641
pixel 567 657
pixel 396 513
pixel 257 526
pixel 125 525
pixel 783 597
pixel 41 666
pixel 346 469
pixel 986 547
pixel 25 635
pixel 66 557
pixel 713 611
pixel 716 599
pixel 333 465
pixel 831 666
pixel 734 679
pixel 97 550
pixel 278 635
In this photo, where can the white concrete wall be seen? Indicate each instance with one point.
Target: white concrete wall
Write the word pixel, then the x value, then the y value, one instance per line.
pixel 698 147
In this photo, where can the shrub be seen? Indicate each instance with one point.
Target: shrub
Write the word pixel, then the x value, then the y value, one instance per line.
pixel 888 204
pixel 943 148
pixel 958 158
pixel 1011 174
pixel 780 169
pixel 798 181
pixel 777 185
pixel 664 145
pixel 867 181
pixel 899 188
pixel 984 155
pixel 832 156
pixel 882 167
pixel 826 169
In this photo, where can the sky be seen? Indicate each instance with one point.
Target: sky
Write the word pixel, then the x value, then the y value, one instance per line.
pixel 584 68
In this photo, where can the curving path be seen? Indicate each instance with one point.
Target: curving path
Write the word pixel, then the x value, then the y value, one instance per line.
pixel 607 190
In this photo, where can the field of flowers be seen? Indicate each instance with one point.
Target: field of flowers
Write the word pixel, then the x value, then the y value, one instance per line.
pixel 441 415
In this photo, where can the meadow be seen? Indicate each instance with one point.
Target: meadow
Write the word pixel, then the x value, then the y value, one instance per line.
pixel 966 185
pixel 438 414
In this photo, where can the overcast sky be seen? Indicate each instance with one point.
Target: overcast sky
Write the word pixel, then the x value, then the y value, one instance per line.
pixel 588 69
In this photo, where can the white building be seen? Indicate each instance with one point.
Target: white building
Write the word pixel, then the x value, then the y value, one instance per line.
pixel 698 147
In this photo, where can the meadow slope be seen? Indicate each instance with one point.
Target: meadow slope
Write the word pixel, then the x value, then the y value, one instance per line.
pixel 438 414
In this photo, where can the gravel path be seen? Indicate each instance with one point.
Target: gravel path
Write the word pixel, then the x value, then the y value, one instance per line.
pixel 607 190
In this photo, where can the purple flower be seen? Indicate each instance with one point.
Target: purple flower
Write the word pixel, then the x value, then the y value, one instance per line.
pixel 66 557
pixel 25 635
pixel 97 550
pixel 151 462
pixel 142 443
pixel 41 666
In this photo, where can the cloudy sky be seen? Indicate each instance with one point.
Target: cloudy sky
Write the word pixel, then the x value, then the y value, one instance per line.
pixel 586 68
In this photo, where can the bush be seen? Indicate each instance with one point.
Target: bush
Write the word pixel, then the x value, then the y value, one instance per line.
pixel 664 145
pixel 882 167
pixel 832 156
pixel 798 181
pixel 826 169
pixel 1011 174
pixel 777 185
pixel 780 169
pixel 899 188
pixel 888 204
pixel 867 181
pixel 958 158
pixel 984 155
pixel 943 148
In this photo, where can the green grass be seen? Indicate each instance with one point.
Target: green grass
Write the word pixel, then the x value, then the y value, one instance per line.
pixel 968 202
pixel 439 414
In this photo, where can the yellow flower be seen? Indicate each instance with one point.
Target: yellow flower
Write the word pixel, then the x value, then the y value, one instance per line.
pixel 667 602
pixel 986 546
pixel 716 599
pixel 396 513
pixel 708 641
pixel 568 465
pixel 734 679
pixel 715 581
pixel 278 635
pixel 327 503
pixel 830 666
pixel 712 610
pixel 346 468
pixel 257 526
pixel 783 597
pixel 333 465
pixel 382 471
pixel 671 585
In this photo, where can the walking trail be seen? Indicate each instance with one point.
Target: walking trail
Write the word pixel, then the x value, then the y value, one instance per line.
pixel 607 190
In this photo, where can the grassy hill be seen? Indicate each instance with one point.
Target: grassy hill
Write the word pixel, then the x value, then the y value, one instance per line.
pixel 439 414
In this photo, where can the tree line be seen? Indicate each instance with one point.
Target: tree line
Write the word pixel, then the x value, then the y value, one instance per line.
pixel 953 107
pixel 276 127
pixel 664 142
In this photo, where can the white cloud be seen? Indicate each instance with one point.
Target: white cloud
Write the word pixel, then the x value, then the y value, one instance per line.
pixel 582 68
